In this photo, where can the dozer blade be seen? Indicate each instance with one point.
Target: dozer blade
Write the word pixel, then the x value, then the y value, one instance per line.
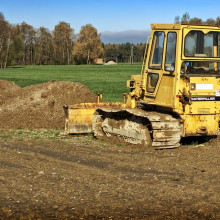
pixel 79 117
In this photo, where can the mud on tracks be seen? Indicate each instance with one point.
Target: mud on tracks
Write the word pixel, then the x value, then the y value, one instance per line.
pixel 39 106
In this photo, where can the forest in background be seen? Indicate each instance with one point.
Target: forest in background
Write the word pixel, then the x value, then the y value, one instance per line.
pixel 23 44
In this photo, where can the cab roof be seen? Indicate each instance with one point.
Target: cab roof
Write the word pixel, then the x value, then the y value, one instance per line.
pixel 181 26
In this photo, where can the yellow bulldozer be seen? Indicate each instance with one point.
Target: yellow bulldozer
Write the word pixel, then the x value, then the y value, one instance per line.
pixel 176 95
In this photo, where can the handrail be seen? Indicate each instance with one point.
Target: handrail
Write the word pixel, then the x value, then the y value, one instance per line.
pixel 145 54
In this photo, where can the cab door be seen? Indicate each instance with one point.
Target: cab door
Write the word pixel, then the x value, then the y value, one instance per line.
pixel 155 64
pixel 161 68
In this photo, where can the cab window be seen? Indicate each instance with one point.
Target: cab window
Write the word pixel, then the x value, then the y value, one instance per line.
pixel 170 51
pixel 198 44
pixel 152 80
pixel 157 50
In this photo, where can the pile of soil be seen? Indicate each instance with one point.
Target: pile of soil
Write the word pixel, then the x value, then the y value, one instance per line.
pixel 110 63
pixel 39 106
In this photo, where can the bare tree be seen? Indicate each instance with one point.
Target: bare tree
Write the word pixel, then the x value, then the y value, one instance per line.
pixel 177 20
pixel 28 34
pixel 5 41
pixel 185 18
pixel 195 21
pixel 2 17
pixel 63 39
pixel 44 45
pixel 210 22
pixel 218 21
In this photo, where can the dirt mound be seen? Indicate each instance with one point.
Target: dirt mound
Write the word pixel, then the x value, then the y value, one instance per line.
pixel 39 106
pixel 110 63
pixel 7 90
pixel 7 86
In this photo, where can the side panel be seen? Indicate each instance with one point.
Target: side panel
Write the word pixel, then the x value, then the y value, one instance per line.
pixel 164 94
pixel 200 103
pixel 201 125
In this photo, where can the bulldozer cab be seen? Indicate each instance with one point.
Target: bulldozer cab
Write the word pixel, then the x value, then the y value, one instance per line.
pixel 181 73
pixel 160 65
pixel 178 52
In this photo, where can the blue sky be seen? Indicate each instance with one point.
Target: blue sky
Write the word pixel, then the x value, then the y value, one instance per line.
pixel 105 15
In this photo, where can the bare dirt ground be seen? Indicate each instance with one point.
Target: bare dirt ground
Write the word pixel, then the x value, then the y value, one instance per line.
pixel 39 106
pixel 47 176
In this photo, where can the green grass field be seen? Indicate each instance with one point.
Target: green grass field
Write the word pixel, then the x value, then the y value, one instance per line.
pixel 108 79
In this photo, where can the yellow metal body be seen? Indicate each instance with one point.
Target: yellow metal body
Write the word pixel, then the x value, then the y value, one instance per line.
pixel 181 75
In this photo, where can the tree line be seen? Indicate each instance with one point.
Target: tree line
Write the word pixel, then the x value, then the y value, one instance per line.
pixel 185 19
pixel 124 53
pixel 23 44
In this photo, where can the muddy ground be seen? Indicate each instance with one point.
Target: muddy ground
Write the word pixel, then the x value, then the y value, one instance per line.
pixel 47 176
pixel 44 175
